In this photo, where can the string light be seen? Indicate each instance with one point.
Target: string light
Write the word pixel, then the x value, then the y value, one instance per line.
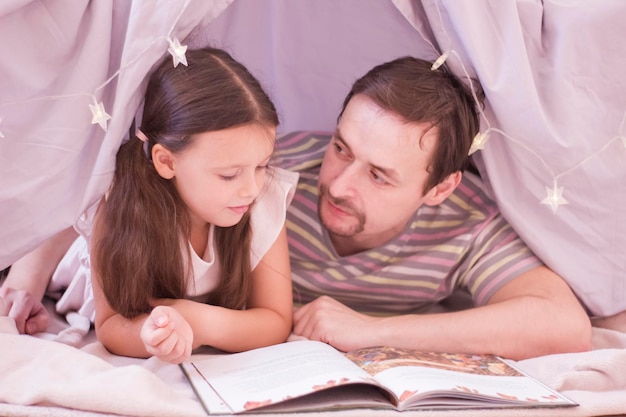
pixel 555 197
pixel 99 115
pixel 98 112
pixel 439 61
pixel 177 51
pixel 479 142
pixel 555 193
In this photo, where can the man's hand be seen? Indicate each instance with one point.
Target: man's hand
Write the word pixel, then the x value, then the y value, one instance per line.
pixel 167 335
pixel 29 313
pixel 329 321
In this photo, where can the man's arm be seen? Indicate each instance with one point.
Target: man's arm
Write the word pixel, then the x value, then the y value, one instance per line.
pixel 28 278
pixel 535 314
pixel 614 322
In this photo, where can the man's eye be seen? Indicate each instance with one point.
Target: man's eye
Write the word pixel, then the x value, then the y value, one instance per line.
pixel 341 152
pixel 378 179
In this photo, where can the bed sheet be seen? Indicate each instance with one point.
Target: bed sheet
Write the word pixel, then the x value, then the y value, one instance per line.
pixel 65 372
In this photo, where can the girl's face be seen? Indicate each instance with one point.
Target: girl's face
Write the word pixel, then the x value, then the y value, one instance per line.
pixel 220 173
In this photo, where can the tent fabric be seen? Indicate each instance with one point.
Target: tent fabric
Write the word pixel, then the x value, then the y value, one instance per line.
pixel 56 60
pixel 551 70
pixel 556 102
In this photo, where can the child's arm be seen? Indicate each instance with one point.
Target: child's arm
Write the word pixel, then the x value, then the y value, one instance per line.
pixel 267 319
pixel 163 333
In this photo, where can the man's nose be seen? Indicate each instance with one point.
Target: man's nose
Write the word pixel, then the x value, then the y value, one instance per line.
pixel 345 182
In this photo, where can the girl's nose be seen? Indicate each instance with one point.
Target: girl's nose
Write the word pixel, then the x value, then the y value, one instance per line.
pixel 252 185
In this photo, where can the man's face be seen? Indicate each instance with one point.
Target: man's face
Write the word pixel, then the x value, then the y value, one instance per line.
pixel 372 177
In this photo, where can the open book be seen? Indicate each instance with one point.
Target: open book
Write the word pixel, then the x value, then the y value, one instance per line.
pixel 308 375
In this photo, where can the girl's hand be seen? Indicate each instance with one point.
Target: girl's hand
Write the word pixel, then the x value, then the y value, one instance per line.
pixel 167 335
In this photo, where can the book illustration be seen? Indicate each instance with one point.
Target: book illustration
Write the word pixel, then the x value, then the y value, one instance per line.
pixel 330 384
pixel 475 372
pixel 377 359
pixel 251 405
pixel 406 394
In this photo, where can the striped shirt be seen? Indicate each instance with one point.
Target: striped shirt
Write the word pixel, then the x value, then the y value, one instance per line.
pixel 464 242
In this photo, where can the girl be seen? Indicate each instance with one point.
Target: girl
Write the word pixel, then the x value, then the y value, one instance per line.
pixel 189 247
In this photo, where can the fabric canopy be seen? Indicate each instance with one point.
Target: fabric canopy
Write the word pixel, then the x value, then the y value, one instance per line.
pixel 554 144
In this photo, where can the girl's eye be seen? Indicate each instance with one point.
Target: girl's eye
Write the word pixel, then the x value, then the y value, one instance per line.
pixel 228 177
pixel 261 168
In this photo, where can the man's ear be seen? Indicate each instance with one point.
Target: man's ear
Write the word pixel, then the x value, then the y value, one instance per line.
pixel 442 190
pixel 163 160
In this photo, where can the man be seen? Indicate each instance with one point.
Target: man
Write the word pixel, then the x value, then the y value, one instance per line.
pixel 388 226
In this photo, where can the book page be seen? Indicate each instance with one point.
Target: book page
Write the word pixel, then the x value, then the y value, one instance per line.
pixel 257 378
pixel 434 378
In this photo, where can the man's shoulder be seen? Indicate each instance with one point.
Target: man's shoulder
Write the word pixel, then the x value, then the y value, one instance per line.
pixel 301 150
pixel 475 184
pixel 472 195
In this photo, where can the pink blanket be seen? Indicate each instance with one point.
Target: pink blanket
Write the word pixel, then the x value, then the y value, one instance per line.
pixel 66 372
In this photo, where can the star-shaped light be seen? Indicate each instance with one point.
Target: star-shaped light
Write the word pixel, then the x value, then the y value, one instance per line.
pixel 99 115
pixel 1 134
pixel 478 143
pixel 554 198
pixel 178 52
pixel 439 62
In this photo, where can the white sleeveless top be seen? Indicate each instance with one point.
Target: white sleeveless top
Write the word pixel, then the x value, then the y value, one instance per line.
pixel 71 280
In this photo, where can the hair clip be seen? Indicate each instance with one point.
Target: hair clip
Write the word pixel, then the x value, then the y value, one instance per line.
pixel 141 136
pixel 146 147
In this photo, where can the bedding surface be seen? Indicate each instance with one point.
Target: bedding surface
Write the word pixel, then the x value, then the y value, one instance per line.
pixel 66 372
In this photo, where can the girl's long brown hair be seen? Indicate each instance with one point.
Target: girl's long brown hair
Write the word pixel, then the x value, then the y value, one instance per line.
pixel 137 242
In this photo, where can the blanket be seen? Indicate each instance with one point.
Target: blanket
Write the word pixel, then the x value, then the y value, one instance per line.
pixel 66 372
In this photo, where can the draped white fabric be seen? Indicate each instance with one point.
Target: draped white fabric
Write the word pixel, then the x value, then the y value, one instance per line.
pixel 552 72
pixel 56 58
pixel 555 86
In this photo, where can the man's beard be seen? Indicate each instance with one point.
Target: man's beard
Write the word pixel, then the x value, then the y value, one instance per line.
pixel 345 205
